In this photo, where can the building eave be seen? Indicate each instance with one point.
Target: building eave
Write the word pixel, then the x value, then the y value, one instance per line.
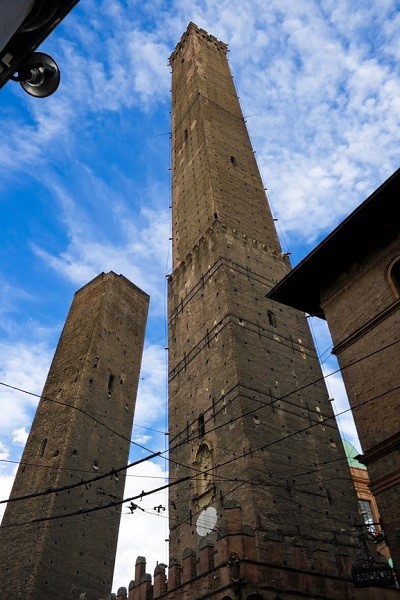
pixel 369 226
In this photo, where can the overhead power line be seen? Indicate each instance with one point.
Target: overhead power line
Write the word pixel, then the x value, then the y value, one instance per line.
pixel 182 479
pixel 80 483
pixel 155 454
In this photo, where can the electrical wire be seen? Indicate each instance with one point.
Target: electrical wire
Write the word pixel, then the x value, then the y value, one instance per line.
pixel 153 455
pixel 186 478
pixel 70 486
pixel 90 414
pixel 78 408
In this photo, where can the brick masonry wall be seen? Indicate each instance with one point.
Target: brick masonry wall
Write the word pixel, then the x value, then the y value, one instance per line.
pixel 243 372
pixel 364 318
pixel 94 373
pixel 229 569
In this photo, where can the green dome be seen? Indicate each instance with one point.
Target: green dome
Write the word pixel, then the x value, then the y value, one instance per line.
pixel 351 453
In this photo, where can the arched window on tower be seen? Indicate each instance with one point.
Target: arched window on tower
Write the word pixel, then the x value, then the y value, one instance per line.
pixel 204 478
pixel 393 276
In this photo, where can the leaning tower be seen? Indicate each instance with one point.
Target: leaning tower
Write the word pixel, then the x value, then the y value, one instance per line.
pixel 250 420
pixel 49 547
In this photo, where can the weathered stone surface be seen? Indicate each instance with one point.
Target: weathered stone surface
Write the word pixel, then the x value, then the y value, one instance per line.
pixel 247 404
pixel 81 429
pixel 361 306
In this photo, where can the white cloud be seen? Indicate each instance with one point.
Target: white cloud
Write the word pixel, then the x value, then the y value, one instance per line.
pixel 141 439
pixel 325 99
pixel 322 80
pixel 6 482
pixel 10 297
pixel 391 29
pixel 151 400
pixel 323 102
pixel 141 252
pixel 148 56
pixel 150 527
pixel 4 452
pixel 115 66
pixel 24 366
pixel 20 436
pixel 7 474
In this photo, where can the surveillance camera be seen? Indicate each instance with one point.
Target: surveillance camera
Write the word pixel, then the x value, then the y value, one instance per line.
pixel 25 25
pixel 39 76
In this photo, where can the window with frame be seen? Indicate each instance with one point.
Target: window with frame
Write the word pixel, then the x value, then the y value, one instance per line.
pixel 366 513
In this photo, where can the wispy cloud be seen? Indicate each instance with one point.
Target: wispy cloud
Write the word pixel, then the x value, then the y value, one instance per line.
pixel 150 526
pixel 327 98
pixel 4 451
pixel 10 296
pixel 23 365
pixel 151 402
pixel 326 93
pixel 20 436
pixel 319 85
pixel 141 253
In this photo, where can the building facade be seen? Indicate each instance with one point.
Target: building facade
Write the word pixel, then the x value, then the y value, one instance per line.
pixel 368 507
pixel 81 429
pixel 358 292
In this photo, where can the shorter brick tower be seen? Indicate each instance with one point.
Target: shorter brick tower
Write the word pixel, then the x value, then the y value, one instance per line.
pixel 82 428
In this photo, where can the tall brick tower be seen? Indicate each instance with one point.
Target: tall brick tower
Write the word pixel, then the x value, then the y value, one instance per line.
pixel 247 403
pixel 82 428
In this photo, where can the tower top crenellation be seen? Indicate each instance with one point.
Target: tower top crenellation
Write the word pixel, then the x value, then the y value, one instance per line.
pixel 193 29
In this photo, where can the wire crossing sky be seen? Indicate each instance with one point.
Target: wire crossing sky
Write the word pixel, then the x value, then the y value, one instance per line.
pixel 84 180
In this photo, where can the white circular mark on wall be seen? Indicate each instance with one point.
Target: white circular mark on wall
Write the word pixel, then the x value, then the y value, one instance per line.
pixel 206 521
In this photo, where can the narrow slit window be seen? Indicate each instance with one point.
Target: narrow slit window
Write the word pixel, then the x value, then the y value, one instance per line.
pixel 201 425
pixel 43 447
pixel 233 161
pixel 110 384
pixel 271 318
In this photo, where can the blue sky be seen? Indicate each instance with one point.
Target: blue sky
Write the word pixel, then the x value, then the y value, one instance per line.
pixel 84 177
